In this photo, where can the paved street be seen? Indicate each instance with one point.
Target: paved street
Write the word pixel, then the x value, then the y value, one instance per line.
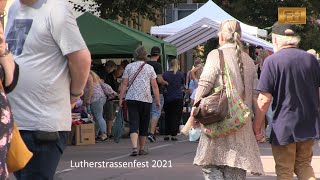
pixel 178 157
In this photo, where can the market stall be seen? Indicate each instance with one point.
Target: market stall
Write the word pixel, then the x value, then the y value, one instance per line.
pixel 110 39
pixel 202 25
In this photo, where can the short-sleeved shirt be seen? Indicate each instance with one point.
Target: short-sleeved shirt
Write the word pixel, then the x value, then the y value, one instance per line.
pixel 292 76
pixel 101 90
pixel 158 69
pixel 175 87
pixel 110 80
pixel 140 88
pixel 40 36
pixel 193 85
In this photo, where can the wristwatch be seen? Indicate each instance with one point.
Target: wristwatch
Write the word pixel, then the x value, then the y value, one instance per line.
pixel 76 95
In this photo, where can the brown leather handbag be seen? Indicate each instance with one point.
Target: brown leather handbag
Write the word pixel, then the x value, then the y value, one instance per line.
pixel 214 107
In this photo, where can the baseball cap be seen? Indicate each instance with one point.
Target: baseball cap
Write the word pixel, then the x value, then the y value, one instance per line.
pixel 155 50
pixel 284 29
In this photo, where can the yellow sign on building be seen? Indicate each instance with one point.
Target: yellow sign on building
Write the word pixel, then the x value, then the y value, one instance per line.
pixel 292 15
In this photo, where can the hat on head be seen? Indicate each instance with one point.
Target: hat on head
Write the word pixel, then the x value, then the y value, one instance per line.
pixel 284 29
pixel 155 51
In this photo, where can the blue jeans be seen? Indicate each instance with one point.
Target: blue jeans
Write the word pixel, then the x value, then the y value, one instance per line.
pixel 97 112
pixel 45 159
pixel 269 116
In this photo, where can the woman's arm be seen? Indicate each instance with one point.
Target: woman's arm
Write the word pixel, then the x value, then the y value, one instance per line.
pixel 6 61
pixel 90 85
pixel 206 83
pixel 208 77
pixel 123 88
pixel 155 90
pixel 108 91
pixel 10 73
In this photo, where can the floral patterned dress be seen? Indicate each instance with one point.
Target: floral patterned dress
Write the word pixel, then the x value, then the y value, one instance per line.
pixel 238 150
pixel 6 127
pixel 6 123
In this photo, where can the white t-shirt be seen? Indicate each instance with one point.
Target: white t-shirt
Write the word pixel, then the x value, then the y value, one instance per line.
pixel 39 36
pixel 140 88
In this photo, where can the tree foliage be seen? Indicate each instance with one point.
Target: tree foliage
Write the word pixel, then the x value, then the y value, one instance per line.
pixel 126 9
pixel 260 13
pixel 264 14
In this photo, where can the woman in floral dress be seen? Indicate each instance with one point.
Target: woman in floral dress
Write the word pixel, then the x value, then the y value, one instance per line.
pixel 9 72
pixel 229 157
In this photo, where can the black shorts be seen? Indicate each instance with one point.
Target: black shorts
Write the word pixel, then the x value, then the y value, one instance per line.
pixel 139 117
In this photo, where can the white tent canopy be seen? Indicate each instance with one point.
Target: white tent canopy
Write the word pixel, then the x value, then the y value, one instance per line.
pixel 210 11
pixel 202 31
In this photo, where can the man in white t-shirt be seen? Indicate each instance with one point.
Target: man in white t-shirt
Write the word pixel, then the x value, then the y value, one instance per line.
pixel 54 66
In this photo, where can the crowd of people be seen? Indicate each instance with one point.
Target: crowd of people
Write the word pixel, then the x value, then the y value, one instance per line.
pixel 45 70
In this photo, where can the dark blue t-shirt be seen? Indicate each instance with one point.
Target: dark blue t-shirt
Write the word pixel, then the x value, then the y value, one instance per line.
pixel 175 87
pixel 292 76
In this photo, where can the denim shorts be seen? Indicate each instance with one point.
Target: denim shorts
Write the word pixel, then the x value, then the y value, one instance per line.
pixel 155 113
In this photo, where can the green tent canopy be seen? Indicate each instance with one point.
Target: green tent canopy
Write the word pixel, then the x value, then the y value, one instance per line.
pixel 104 40
pixel 110 39
pixel 149 41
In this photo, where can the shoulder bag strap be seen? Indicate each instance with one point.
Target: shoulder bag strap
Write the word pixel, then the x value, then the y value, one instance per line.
pixel 222 65
pixel 135 75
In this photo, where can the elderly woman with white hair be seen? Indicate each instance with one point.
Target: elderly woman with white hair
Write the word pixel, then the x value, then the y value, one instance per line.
pixel 229 157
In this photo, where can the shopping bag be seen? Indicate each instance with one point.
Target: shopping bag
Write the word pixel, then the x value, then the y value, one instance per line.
pixel 18 154
pixel 118 127
pixel 239 112
pixel 194 134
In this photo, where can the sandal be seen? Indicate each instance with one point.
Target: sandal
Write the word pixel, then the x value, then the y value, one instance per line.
pixel 134 152
pixel 143 152
pixel 174 138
